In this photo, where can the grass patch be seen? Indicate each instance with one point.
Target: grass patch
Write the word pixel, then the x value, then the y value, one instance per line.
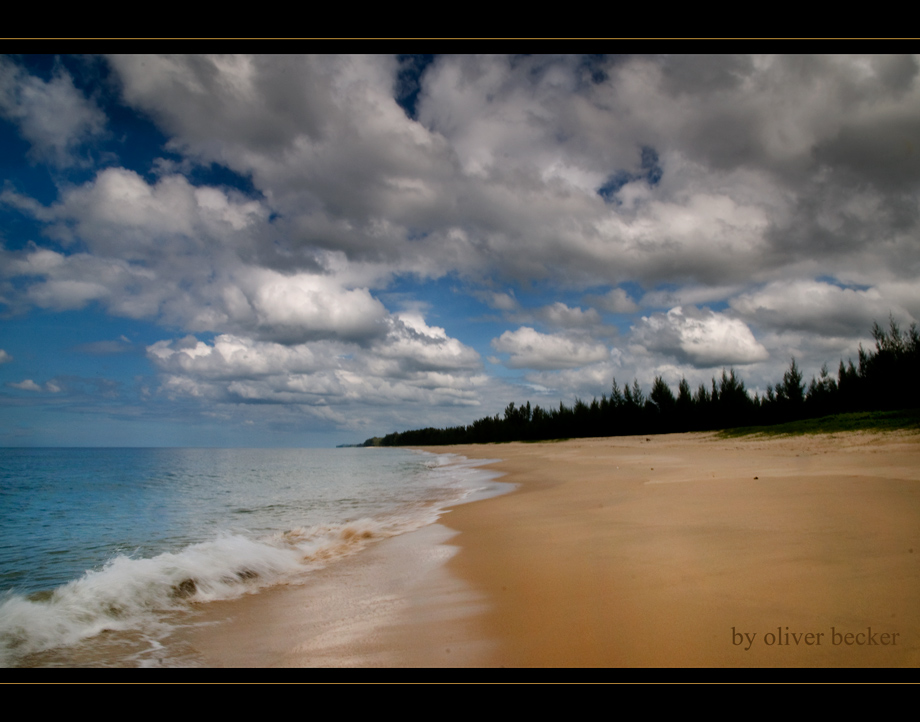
pixel 837 423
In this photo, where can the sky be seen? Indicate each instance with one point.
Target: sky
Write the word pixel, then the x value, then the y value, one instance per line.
pixel 309 251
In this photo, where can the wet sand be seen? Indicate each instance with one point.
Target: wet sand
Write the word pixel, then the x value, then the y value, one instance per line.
pixel 392 605
pixel 687 550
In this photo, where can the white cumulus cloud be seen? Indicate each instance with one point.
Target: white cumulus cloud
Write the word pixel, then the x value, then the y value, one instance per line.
pixel 299 307
pixel 702 337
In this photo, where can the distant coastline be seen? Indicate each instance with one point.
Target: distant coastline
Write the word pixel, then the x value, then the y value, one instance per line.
pixel 885 380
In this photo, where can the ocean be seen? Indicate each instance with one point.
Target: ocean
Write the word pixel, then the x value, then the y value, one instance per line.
pixel 105 552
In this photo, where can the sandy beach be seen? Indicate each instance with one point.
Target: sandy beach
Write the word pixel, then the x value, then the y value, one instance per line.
pixel 688 550
pixel 664 551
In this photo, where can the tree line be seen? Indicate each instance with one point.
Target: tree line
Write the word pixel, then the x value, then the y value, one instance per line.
pixel 884 379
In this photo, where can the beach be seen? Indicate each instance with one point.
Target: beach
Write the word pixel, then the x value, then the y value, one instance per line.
pixel 690 550
pixel 664 551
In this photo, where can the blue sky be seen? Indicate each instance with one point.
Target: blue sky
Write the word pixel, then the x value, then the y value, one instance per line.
pixel 306 251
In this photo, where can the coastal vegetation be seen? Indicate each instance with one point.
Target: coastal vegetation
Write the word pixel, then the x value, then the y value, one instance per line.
pixel 885 379
pixel 906 419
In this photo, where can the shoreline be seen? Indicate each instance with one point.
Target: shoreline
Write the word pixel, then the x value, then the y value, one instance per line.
pixel 688 550
pixel 394 604
pixel 674 551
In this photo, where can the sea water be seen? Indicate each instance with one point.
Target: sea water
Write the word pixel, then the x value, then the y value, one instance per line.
pixel 113 543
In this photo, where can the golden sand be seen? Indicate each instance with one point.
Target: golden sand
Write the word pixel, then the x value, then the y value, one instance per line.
pixel 688 550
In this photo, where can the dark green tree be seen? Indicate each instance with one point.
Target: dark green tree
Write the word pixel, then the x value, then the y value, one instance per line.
pixel 665 406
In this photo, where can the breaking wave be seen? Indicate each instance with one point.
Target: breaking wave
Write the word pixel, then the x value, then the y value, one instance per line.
pixel 130 593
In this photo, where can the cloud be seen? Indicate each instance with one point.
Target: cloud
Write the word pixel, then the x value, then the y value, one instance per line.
pixel 25 204
pixel 499 174
pixel 106 348
pixel 556 315
pixel 51 387
pixel 534 350
pixel 584 382
pixel 419 346
pixel 689 295
pixel 412 363
pixel 233 357
pixel 304 306
pixel 561 316
pixel 499 301
pixel 59 281
pixel 263 102
pixel 782 186
pixel 174 251
pixel 482 175
pixel 26 385
pixel 322 134
pixel 409 347
pixel 53 116
pixel 118 213
pixel 818 307
pixel 703 338
pixel 614 301
pixel 4 357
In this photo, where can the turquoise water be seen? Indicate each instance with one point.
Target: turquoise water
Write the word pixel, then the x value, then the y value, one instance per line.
pixel 95 540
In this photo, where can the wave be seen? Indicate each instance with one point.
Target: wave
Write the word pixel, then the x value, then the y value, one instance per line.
pixel 129 593
pixel 144 594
